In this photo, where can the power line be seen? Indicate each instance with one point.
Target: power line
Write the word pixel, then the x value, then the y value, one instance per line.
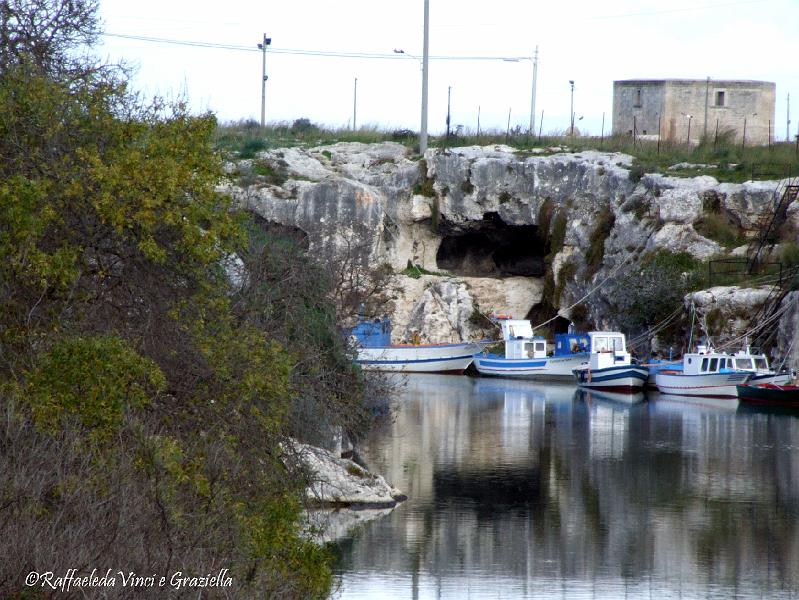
pixel 302 52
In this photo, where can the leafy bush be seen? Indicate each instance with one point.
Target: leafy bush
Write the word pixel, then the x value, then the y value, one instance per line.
pixel 596 241
pixel 717 228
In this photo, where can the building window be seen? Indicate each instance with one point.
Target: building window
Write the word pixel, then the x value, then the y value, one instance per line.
pixel 638 99
pixel 721 98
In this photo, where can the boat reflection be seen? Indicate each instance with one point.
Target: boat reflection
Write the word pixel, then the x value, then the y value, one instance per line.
pixel 590 396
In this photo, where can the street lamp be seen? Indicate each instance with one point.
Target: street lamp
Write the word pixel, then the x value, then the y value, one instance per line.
pixel 262 47
pixel 571 109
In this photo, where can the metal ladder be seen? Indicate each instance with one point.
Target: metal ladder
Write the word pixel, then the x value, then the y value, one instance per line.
pixel 787 192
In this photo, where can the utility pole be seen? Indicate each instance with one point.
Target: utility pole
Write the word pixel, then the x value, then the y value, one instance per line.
pixel 425 60
pixel 355 106
pixel 262 46
pixel 707 102
pixel 532 95
pixel 788 121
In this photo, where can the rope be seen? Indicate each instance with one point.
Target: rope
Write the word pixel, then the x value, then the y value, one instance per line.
pixel 591 291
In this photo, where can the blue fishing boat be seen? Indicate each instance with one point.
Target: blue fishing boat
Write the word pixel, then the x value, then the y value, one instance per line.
pixel 526 354
pixel 372 340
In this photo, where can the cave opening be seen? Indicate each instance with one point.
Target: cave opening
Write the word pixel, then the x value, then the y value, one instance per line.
pixel 492 248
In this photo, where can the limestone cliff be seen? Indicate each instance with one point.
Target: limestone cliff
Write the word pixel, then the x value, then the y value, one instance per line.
pixel 493 228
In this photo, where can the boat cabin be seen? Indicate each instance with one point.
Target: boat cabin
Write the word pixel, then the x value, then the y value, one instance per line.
pixel 744 360
pixel 706 360
pixel 571 343
pixel 520 341
pixel 374 333
pixel 608 349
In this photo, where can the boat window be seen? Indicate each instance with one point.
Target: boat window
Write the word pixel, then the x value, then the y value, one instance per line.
pixel 540 347
pixel 743 363
pixel 714 365
pixel 704 364
pixel 761 363
pixel 528 350
pixel 601 344
pixel 618 344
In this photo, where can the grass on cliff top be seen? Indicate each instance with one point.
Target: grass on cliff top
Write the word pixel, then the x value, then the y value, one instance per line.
pixel 725 158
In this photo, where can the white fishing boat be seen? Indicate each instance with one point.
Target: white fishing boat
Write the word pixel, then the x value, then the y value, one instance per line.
pixel 609 366
pixel 526 354
pixel 376 353
pixel 757 364
pixel 704 373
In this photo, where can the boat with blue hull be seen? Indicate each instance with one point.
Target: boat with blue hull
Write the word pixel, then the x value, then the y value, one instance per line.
pixel 609 366
pixel 526 354
pixel 372 339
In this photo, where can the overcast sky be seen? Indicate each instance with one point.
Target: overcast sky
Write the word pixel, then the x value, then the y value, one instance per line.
pixel 592 43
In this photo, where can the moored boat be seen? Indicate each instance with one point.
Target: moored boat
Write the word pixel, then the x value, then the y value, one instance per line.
pixel 526 354
pixel 757 364
pixel 609 366
pixel 769 394
pixel 375 351
pixel 704 373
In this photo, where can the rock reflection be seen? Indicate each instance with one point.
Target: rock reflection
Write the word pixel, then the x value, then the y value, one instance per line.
pixel 519 490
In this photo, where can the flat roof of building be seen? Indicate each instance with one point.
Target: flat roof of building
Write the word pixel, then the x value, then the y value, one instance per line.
pixel 712 81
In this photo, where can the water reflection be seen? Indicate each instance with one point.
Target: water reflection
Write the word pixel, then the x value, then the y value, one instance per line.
pixel 519 490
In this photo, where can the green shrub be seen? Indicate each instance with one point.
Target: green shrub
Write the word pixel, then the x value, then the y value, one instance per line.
pixel 424 187
pixel 717 228
pixel 596 241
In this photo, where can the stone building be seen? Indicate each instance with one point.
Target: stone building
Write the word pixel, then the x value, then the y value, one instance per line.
pixel 675 108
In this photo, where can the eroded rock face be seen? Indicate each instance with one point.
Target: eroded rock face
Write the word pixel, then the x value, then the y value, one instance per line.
pixel 725 313
pixel 491 213
pixel 340 482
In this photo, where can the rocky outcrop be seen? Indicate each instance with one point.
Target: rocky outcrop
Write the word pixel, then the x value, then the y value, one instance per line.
pixel 494 223
pixel 341 482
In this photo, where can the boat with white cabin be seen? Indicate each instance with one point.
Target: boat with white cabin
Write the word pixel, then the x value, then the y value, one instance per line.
pixel 526 354
pixel 704 373
pixel 610 366
pixel 757 364
pixel 375 352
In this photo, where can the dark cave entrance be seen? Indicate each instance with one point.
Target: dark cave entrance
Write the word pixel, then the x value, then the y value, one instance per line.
pixel 491 248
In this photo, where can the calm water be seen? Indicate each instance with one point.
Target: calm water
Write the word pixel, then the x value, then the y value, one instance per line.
pixel 522 490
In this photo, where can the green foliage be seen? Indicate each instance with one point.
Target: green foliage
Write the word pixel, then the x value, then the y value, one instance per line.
pixel 558 236
pixel 128 352
pixel 97 379
pixel 649 293
pixel 504 197
pixel 596 241
pixel 637 171
pixel 717 228
pixel 726 159
pixel 789 254
pixel 638 205
pixel 424 187
pixel 271 172
pixel 415 271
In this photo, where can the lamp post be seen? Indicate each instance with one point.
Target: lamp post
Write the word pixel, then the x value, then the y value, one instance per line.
pixel 262 47
pixel 571 109
pixel 355 106
pixel 532 95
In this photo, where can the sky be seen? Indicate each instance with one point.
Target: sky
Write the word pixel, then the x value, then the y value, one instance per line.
pixel 591 43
